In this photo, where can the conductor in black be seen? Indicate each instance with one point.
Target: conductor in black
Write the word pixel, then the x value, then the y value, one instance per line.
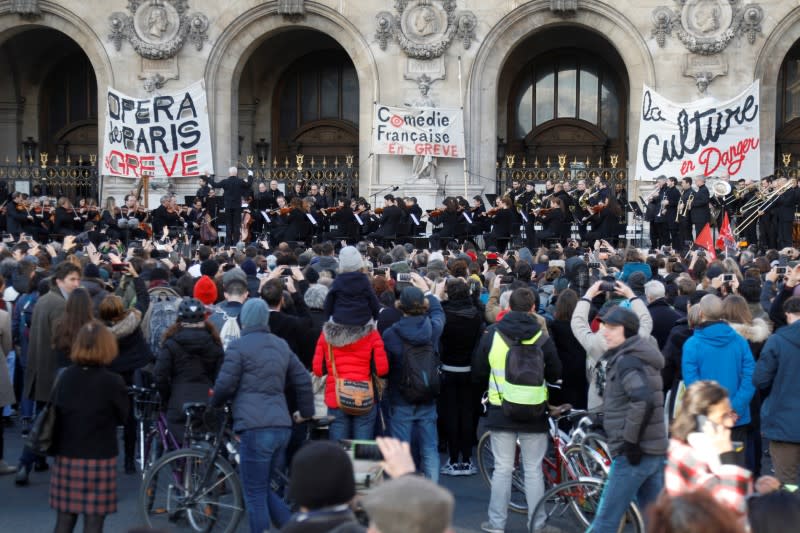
pixel 234 189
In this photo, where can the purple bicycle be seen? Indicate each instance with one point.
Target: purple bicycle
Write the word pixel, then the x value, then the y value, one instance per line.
pixel 154 438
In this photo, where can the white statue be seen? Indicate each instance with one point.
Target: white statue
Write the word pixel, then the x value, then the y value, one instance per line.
pixel 423 167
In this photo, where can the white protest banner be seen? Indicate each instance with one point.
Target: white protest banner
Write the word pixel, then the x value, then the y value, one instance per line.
pixel 433 131
pixel 165 135
pixel 702 138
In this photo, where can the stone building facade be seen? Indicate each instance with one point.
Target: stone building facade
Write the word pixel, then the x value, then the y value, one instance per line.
pixel 535 78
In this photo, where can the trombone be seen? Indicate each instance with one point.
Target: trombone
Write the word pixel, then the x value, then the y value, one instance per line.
pixel 766 203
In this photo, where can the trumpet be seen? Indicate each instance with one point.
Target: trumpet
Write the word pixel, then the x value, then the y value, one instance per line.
pixel 738 193
pixel 679 210
pixel 688 204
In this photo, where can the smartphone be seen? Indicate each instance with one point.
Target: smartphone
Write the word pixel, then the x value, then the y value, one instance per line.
pixel 379 272
pixel 608 286
pixel 603 250
pixel 593 264
pixel 403 277
pixel 727 277
pixel 119 267
pixel 367 451
pixel 781 270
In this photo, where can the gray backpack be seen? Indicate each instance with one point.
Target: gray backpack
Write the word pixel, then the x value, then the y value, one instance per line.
pixel 161 314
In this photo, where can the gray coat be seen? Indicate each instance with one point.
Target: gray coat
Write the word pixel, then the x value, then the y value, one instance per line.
pixel 257 370
pixel 633 401
pixel 40 374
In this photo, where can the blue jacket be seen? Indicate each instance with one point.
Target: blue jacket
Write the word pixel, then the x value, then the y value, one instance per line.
pixel 779 368
pixel 630 268
pixel 414 330
pixel 715 351
pixel 257 370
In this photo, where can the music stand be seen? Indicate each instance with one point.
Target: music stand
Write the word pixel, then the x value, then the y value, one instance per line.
pixel 638 223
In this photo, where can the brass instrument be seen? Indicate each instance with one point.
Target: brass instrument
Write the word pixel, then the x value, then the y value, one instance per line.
pixel 688 205
pixel 678 212
pixel 738 193
pixel 765 204
pixel 719 188
pixel 583 201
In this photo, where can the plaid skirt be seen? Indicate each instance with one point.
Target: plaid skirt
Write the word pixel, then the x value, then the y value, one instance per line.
pixel 84 486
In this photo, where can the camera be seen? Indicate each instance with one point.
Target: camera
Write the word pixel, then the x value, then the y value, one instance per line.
pixel 507 279
pixel 594 264
pixel 727 277
pixel 603 250
pixel 608 286
pixel 379 272
pixel 781 270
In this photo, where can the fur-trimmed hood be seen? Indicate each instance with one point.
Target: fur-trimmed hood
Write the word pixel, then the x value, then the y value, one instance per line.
pixel 758 331
pixel 338 335
pixel 127 325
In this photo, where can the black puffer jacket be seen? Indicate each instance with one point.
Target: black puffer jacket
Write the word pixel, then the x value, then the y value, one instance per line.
pixel 258 368
pixel 633 402
pixel 186 367
pixel 574 387
pixel 134 352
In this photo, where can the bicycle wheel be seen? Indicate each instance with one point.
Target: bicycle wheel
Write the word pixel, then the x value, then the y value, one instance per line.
pixel 571 506
pixel 153 449
pixel 517 503
pixel 583 461
pixel 175 497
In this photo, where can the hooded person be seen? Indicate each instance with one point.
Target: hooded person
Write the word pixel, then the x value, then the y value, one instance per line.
pixel 351 301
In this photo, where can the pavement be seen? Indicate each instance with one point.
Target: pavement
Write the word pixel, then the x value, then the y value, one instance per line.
pixel 26 509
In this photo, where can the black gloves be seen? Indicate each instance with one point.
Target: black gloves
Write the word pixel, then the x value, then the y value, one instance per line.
pixel 632 452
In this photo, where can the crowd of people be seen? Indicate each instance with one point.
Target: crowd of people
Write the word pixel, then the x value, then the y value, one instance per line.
pixel 688 356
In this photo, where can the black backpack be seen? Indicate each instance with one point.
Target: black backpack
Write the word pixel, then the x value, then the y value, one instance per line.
pixel 420 381
pixel 525 373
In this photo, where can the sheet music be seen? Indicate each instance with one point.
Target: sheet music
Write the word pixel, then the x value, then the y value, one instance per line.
pixel 266 216
pixel 524 216
pixel 311 218
pixel 466 216
pixel 414 219
pixel 358 218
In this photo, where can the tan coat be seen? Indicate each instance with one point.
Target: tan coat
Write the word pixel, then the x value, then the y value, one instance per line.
pixel 40 374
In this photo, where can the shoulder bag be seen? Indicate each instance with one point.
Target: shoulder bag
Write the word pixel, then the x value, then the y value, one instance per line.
pixel 353 397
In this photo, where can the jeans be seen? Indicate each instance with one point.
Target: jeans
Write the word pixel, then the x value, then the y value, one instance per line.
pixel 419 420
pixel 346 426
pixel 625 484
pixel 504 447
pixel 262 453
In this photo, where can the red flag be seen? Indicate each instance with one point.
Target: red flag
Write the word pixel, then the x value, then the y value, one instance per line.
pixel 726 239
pixel 704 240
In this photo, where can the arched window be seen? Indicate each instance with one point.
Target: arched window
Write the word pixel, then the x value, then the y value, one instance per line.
pixel 567 100
pixel 316 107
pixel 787 123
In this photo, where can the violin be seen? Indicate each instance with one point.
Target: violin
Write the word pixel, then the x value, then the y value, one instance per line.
pixel 436 213
pixel 493 211
pixel 543 212
pixel 378 211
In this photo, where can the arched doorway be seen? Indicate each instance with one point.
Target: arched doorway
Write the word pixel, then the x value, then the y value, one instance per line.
pixel 568 96
pixel 787 108
pixel 49 93
pixel 305 101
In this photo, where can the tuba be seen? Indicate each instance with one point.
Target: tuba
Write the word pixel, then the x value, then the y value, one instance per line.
pixel 719 190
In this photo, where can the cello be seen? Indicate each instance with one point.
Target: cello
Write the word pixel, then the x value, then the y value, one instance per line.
pixel 247 221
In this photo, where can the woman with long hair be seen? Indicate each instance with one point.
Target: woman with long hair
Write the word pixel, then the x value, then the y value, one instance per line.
pixel 605 221
pixel 188 362
pixel 574 387
pixel 90 402
pixel 449 219
pixel 134 353
pixel 79 311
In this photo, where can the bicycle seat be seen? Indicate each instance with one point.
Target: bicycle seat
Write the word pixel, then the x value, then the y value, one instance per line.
pixel 556 411
pixel 194 408
pixel 322 421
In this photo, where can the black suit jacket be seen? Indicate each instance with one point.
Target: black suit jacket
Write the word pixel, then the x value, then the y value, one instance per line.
pixel 390 221
pixel 235 189
pixel 297 226
pixel 700 212
pixel 673 195
pixel 785 204
pixel 503 223
pixel 17 219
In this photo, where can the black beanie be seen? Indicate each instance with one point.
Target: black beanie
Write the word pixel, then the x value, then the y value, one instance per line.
pixel 322 476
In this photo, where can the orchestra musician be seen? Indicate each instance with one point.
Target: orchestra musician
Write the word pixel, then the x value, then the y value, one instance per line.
pixel 108 218
pixel 669 207
pixel 272 194
pixel 746 207
pixel 480 223
pixel 389 222
pixel 605 220
pixel 298 227
pixel 296 192
pixel 524 204
pixel 164 216
pixel 654 213
pixel 502 224
pixel 684 220
pixel 66 218
pixel 17 216
pixel 235 188
pixel 767 232
pixel 449 218
pixel 552 219
pixel 413 208
pixel 783 209
pixel 700 213
pixel 203 189
pixel 343 225
pixel 320 200
pixel 194 219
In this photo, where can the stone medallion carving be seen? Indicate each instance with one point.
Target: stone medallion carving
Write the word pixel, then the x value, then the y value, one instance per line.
pixel 157 29
pixel 26 8
pixel 706 27
pixel 424 29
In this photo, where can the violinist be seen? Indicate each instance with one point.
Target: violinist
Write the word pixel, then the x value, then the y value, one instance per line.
pixel 194 218
pixel 17 217
pixel 66 218
pixel 449 219
pixel 203 189
pixel 320 201
pixel 296 192
pixel 552 219
pixel 390 220
pixel 414 211
pixel 605 221
pixel 524 204
pixel 298 227
pixel 108 219
pixel 502 219
pixel 162 216
pixel 133 218
pixel 343 224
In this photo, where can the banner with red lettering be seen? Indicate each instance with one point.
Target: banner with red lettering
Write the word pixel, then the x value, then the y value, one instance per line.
pixel 422 131
pixel 166 136
pixel 702 138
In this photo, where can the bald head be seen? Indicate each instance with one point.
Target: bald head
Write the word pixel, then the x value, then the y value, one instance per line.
pixel 233 171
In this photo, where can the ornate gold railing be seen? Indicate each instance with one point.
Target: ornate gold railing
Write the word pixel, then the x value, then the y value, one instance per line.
pixel 518 168
pixel 72 178
pixel 339 176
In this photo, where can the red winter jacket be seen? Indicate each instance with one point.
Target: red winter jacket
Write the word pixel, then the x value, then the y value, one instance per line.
pixel 353 349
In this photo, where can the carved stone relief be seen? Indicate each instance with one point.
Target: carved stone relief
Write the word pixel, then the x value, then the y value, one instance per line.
pixel 26 8
pixel 157 29
pixel 706 27
pixel 292 9
pixel 564 8
pixel 424 29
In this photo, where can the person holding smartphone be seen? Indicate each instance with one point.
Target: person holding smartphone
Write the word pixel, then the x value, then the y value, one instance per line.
pixel 701 453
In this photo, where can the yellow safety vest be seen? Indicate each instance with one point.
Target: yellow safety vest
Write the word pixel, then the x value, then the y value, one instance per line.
pixel 499 389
